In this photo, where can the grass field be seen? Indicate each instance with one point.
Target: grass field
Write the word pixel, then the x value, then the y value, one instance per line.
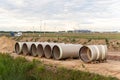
pixel 21 69
pixel 70 35
pixel 76 35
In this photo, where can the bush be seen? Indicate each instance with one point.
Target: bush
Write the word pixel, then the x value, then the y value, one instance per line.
pixel 107 41
pixel 14 69
pixel 73 40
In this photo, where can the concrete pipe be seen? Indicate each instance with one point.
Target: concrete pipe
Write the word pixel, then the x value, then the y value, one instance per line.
pixel 91 53
pixel 34 49
pixel 103 51
pixel 18 47
pixel 88 53
pixel 48 49
pixel 27 48
pixel 40 49
pixel 66 51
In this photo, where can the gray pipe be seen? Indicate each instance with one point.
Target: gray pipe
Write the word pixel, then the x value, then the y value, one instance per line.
pixel 34 49
pixel 48 49
pixel 40 49
pixel 66 51
pixel 27 48
pixel 103 51
pixel 91 53
pixel 88 53
pixel 18 47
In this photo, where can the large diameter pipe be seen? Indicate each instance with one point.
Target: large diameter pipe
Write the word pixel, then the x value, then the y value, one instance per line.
pixel 91 53
pixel 34 49
pixel 18 47
pixel 48 49
pixel 40 49
pixel 27 48
pixel 103 51
pixel 88 53
pixel 66 51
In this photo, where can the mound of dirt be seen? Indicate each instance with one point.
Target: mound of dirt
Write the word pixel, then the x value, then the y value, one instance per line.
pixel 96 42
pixel 114 45
pixel 6 44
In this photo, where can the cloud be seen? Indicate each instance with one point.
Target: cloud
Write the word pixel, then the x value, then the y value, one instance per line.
pixel 17 3
pixel 60 14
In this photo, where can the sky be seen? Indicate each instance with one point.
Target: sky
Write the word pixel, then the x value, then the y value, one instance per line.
pixel 59 15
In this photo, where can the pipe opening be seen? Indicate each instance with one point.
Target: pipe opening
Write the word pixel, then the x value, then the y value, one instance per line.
pixel 34 50
pixel 85 54
pixel 56 52
pixel 17 48
pixel 48 51
pixel 25 49
pixel 40 50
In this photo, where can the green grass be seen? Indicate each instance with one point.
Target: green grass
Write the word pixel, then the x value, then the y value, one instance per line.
pixel 71 35
pixel 76 35
pixel 85 35
pixel 21 69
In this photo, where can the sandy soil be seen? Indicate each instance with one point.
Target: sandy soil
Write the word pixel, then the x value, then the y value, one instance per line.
pixel 6 44
pixel 97 42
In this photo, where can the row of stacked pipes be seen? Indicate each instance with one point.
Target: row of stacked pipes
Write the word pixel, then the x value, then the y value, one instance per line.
pixel 58 51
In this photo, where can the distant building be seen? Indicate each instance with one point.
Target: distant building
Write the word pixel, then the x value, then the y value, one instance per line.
pixel 62 31
pixel 80 31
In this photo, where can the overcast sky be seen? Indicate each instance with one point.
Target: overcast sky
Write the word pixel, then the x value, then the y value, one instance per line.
pixel 95 15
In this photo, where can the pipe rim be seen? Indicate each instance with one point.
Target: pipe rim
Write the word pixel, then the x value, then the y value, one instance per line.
pixel 60 52
pixel 33 50
pixel 40 50
pixel 25 49
pixel 104 47
pixel 103 54
pixel 17 48
pixel 84 56
pixel 48 51
pixel 92 53
pixel 97 52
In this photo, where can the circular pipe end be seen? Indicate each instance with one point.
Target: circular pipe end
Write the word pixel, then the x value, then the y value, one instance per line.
pixel 17 48
pixel 57 52
pixel 40 50
pixel 85 54
pixel 25 49
pixel 48 51
pixel 33 50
